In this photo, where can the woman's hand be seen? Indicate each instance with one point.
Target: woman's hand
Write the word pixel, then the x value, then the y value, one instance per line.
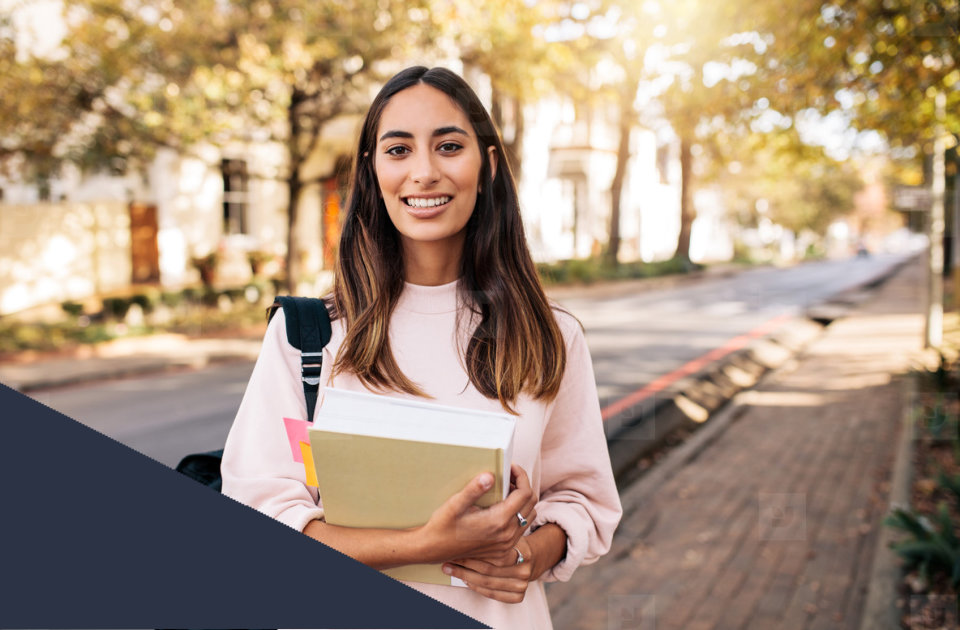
pixel 505 580
pixel 459 529
pixel 496 579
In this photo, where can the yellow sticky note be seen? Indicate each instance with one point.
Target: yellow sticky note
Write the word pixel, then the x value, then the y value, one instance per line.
pixel 308 464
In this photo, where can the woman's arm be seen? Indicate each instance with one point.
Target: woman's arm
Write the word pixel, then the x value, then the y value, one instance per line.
pixel 579 505
pixel 577 492
pixel 456 529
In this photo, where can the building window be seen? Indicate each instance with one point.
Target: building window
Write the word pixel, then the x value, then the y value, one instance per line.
pixel 236 197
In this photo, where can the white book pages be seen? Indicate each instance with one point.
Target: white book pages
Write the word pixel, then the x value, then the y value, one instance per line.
pixel 361 413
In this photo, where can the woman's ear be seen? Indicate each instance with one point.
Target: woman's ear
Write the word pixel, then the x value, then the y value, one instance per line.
pixel 492 154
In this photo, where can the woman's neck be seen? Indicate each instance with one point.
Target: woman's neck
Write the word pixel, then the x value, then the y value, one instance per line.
pixel 432 263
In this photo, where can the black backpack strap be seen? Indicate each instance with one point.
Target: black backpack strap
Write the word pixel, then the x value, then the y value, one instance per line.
pixel 308 330
pixel 203 467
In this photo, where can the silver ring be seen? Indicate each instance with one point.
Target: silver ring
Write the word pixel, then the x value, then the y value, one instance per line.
pixel 520 558
pixel 523 521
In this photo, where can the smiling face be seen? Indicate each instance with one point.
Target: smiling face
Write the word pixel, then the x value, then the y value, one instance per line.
pixel 427 164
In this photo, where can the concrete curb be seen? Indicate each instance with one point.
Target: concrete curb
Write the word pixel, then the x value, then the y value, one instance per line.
pixel 693 402
pixel 880 608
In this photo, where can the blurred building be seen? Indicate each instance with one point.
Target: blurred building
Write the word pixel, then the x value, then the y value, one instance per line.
pixel 569 160
pixel 86 234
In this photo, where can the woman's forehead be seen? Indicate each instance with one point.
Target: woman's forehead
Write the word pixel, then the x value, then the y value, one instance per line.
pixel 422 109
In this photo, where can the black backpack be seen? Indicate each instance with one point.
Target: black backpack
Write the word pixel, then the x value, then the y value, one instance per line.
pixel 308 330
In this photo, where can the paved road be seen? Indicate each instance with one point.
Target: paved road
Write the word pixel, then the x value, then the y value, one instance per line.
pixel 637 338
pixel 164 416
pixel 634 339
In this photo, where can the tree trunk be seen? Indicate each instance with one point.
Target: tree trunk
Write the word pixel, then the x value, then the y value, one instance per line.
pixel 687 211
pixel 294 186
pixel 293 252
pixel 513 147
pixel 616 186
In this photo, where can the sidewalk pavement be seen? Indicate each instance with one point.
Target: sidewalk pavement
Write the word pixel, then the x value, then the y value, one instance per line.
pixel 126 357
pixel 769 519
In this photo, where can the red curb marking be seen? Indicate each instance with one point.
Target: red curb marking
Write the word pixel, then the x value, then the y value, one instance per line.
pixel 666 380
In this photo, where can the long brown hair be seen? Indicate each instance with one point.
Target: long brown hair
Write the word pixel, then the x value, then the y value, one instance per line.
pixel 516 346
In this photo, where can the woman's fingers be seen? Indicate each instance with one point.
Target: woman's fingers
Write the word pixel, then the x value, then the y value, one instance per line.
pixel 463 501
pixel 459 529
pixel 521 500
pixel 506 584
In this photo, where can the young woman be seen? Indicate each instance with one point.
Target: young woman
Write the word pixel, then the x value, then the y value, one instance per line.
pixel 436 296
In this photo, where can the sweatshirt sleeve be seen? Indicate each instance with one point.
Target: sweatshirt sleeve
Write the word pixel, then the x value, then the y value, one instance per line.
pixel 578 491
pixel 258 468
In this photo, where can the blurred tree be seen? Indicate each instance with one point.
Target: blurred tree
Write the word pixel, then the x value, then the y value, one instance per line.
pixel 626 52
pixel 798 186
pixel 880 61
pixel 497 39
pixel 704 96
pixel 662 50
pixel 135 75
pixel 509 42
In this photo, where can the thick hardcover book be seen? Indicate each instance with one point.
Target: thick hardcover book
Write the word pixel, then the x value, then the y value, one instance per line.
pixel 389 462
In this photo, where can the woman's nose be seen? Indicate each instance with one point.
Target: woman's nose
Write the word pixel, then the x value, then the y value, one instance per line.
pixel 424 169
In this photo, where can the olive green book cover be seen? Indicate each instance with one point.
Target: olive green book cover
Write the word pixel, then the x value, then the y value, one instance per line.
pixel 387 462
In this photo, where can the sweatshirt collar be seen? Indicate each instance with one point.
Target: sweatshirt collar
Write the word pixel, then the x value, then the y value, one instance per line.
pixel 419 298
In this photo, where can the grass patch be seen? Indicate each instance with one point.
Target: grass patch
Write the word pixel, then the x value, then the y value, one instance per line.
pixel 591 270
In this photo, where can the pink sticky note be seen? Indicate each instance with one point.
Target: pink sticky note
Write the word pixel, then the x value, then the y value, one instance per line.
pixel 296 433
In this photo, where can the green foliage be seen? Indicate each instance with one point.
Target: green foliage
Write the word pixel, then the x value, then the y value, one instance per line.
pixel 116 306
pixel 74 309
pixel 800 187
pixel 147 300
pixel 194 311
pixel 951 483
pixel 931 547
pixel 590 270
pixel 171 299
pixel 881 61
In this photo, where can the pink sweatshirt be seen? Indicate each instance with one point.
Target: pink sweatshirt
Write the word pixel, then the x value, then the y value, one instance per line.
pixel 560 444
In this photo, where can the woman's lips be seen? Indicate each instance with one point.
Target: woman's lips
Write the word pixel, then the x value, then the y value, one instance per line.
pixel 426 212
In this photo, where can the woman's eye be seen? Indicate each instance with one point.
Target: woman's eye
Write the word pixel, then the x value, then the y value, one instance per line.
pixel 397 150
pixel 450 147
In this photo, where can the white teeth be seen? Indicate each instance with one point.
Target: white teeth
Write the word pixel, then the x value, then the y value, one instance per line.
pixel 419 202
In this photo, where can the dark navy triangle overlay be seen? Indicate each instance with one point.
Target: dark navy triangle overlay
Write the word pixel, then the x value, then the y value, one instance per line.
pixel 96 535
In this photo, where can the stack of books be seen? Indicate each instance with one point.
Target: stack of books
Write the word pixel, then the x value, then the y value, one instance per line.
pixel 386 462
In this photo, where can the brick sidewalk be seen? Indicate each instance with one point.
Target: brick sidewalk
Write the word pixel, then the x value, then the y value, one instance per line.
pixel 774 524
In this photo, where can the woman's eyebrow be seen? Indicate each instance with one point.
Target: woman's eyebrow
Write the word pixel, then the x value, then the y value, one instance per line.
pixel 439 131
pixel 442 131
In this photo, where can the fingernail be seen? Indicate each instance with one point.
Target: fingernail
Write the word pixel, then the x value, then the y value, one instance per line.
pixel 486 481
pixel 447 569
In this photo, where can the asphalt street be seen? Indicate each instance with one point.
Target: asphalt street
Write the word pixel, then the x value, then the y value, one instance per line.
pixel 634 336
